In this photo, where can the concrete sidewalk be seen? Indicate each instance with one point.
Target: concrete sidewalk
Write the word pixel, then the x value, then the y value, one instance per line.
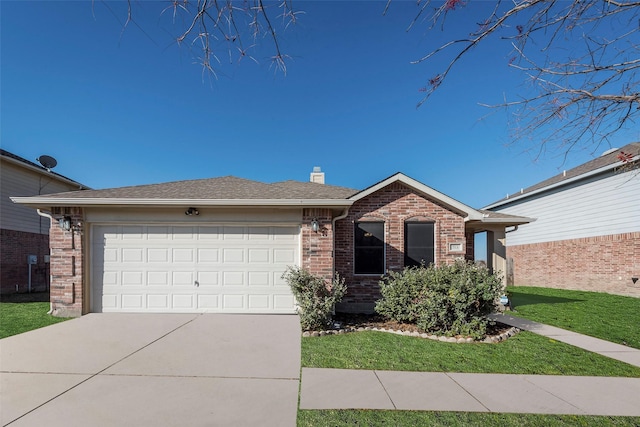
pixel 435 391
pixel 605 348
pixel 439 391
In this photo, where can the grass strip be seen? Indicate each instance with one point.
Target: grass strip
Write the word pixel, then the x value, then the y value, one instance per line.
pixel 16 318
pixel 613 318
pixel 326 418
pixel 525 353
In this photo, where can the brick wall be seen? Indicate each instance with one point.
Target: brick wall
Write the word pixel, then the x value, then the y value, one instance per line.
pixel 602 264
pixel 14 269
pixel 317 248
pixel 67 265
pixel 394 205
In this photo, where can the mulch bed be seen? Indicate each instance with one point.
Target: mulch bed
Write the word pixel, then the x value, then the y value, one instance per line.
pixel 349 320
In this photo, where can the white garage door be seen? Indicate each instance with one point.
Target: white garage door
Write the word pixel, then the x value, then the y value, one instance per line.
pixel 217 268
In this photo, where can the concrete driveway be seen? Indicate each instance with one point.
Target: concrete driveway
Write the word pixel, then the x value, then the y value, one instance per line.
pixel 153 370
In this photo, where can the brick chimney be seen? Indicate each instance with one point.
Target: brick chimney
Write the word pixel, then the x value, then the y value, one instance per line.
pixel 317 175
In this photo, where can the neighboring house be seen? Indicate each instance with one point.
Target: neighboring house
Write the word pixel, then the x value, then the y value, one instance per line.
pixel 24 235
pixel 222 244
pixel 587 233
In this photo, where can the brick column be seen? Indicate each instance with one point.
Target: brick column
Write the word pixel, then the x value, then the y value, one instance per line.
pixel 317 248
pixel 67 264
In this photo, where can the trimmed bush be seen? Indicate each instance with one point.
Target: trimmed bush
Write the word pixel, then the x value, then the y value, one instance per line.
pixel 314 297
pixel 447 299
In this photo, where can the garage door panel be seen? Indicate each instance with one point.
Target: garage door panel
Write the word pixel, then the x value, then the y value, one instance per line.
pixel 233 302
pixel 233 255
pixel 132 301
pixel 193 268
pixel 183 302
pixel 259 255
pixel 208 302
pixel 208 278
pixel 158 302
pixel 158 278
pixel 259 278
pixel 233 278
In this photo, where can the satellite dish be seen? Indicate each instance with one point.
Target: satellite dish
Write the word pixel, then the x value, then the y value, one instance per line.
pixel 47 161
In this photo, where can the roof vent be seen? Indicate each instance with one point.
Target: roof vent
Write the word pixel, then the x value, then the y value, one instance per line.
pixel 317 175
pixel 612 150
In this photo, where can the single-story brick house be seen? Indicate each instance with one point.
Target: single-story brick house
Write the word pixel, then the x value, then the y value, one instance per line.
pixel 587 232
pixel 222 244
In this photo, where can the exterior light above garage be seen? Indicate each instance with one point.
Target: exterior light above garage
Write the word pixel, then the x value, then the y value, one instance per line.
pixel 192 211
pixel 315 225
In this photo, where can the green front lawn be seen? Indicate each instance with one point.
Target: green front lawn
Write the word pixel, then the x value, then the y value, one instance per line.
pixel 332 418
pixel 610 317
pixel 525 353
pixel 19 317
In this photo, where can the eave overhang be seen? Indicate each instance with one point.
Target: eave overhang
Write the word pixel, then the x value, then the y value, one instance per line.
pixel 43 202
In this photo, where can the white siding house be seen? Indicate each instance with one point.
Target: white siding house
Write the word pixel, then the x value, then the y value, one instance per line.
pixel 587 232
pixel 22 231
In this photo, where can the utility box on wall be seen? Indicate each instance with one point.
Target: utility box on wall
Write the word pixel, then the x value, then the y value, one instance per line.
pixel 32 259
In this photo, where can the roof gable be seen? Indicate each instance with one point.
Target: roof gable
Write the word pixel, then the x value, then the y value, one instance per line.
pixel 469 212
pixel 598 165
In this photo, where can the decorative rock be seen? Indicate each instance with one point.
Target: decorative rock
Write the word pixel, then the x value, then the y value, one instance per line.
pixel 343 330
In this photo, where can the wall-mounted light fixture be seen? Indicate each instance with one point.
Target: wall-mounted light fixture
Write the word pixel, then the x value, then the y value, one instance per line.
pixel 192 211
pixel 65 223
pixel 315 225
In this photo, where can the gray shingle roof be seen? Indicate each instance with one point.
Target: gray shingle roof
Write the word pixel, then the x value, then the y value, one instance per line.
pixel 606 160
pixel 223 188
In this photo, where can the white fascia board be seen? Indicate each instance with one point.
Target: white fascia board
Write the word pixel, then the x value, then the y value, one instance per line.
pixel 472 214
pixel 71 201
pixel 558 184
pixel 519 221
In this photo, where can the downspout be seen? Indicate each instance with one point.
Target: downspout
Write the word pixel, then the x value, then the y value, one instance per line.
pixel 48 215
pixel 515 228
pixel 343 215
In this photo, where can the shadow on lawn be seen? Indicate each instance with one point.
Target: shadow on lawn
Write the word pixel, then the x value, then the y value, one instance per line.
pixel 25 297
pixel 519 299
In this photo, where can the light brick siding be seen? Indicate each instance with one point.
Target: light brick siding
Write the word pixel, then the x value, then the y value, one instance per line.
pixel 15 246
pixel 601 264
pixel 67 265
pixel 394 205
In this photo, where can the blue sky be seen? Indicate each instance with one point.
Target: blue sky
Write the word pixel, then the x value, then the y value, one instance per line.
pixel 126 108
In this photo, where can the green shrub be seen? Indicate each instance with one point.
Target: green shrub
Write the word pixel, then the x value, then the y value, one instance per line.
pixel 315 299
pixel 447 299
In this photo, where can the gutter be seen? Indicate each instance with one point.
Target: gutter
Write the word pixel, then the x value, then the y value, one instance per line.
pixel 343 215
pixel 558 184
pixel 48 215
